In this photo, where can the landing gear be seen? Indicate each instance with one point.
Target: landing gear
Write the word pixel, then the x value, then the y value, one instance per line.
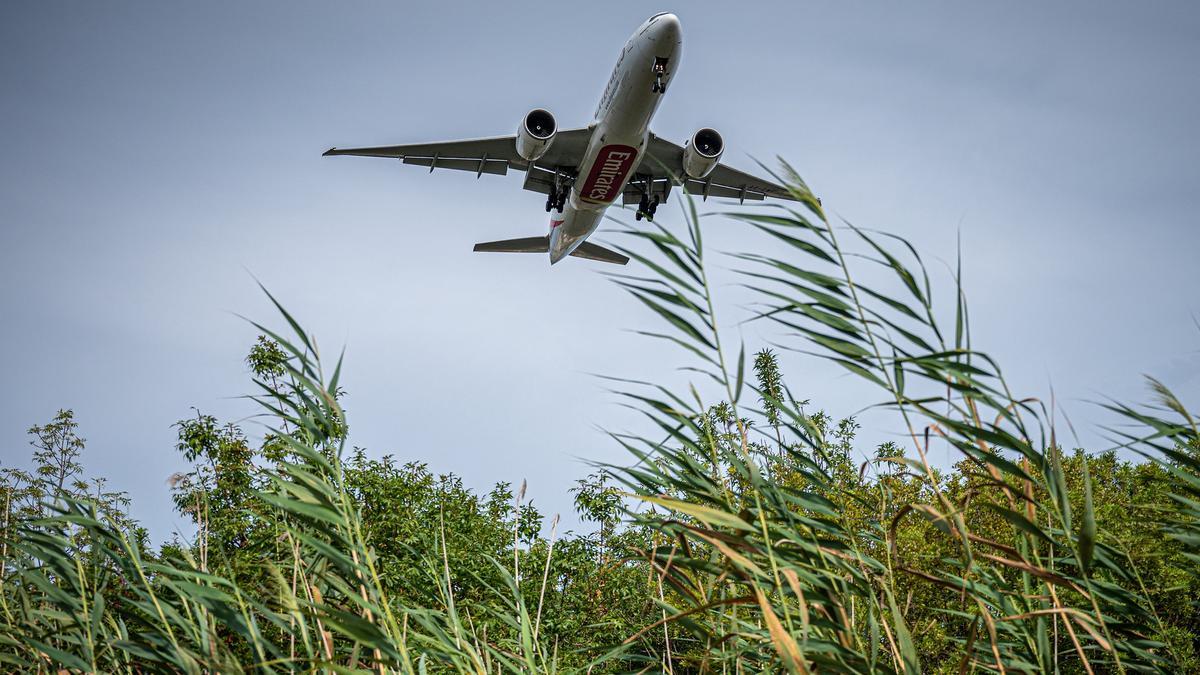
pixel 646 207
pixel 557 198
pixel 659 70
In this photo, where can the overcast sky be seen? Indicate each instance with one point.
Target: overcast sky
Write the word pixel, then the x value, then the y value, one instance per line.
pixel 157 155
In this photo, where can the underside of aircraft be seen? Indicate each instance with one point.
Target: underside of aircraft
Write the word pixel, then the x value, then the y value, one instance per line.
pixel 584 170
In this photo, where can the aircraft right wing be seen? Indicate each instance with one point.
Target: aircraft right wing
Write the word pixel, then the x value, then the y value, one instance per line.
pixel 494 155
pixel 663 159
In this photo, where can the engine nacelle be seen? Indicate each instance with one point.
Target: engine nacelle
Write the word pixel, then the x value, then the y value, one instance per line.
pixel 535 134
pixel 702 153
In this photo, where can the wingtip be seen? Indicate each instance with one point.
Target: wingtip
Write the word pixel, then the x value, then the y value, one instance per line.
pixel 331 151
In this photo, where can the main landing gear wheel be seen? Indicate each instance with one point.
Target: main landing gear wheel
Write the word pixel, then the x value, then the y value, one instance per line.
pixel 559 191
pixel 646 208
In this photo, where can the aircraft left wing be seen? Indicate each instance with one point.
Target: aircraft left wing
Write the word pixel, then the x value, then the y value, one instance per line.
pixel 663 159
pixel 493 155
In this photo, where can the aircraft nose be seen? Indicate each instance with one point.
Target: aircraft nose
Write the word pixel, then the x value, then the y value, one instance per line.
pixel 667 27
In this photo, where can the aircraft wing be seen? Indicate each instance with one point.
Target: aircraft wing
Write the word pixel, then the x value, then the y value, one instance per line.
pixel 663 159
pixel 494 155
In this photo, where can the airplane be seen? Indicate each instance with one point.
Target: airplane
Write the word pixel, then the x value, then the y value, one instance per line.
pixel 616 155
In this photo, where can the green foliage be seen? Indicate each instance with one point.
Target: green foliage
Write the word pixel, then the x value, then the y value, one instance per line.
pixel 790 557
pixel 751 533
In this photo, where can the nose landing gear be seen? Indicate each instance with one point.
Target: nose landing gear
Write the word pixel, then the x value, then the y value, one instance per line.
pixel 659 70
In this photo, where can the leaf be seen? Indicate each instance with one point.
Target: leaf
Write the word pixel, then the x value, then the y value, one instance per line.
pixel 59 656
pixel 908 651
pixel 807 247
pixel 676 320
pixel 741 373
pixel 1087 527
pixel 738 560
pixel 784 643
pixel 704 514
pixel 1018 521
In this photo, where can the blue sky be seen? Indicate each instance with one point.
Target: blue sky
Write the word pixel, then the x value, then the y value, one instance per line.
pixel 156 155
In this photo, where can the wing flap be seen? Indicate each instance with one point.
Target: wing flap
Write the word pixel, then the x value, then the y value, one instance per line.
pixel 498 167
pixel 706 189
pixel 659 187
pixel 538 179
pixel 664 158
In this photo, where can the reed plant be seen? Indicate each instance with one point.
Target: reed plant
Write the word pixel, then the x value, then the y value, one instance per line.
pixel 750 532
pixel 786 553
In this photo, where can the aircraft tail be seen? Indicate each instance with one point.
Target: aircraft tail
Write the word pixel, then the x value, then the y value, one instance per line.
pixel 586 250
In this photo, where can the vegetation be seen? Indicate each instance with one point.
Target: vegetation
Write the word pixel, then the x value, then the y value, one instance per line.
pixel 753 534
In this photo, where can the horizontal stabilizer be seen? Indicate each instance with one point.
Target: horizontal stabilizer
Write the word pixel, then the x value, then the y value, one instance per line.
pixel 587 250
pixel 524 245
pixel 590 251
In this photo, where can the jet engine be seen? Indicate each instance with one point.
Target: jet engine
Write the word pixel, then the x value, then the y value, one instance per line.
pixel 702 152
pixel 535 134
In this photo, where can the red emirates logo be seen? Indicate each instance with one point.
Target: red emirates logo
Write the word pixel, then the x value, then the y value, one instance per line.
pixel 612 165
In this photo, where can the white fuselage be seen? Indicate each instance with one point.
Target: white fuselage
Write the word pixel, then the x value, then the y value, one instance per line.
pixel 619 132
